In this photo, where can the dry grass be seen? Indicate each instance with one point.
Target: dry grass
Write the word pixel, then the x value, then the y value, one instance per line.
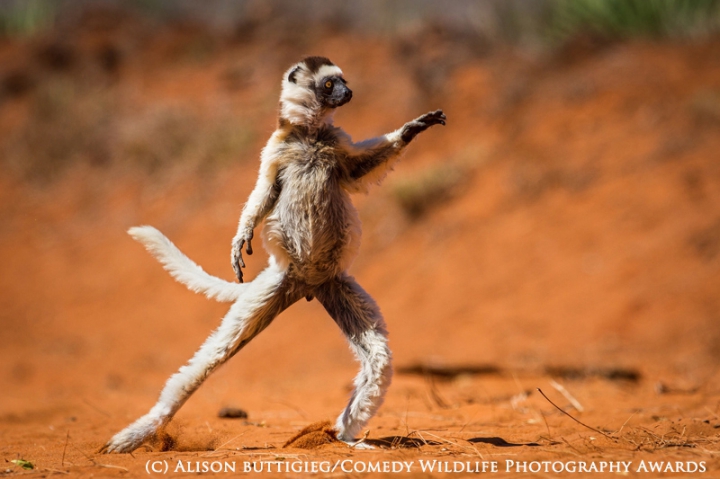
pixel 70 125
pixel 419 193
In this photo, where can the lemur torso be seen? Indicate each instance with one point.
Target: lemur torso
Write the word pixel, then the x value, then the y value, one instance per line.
pixel 313 224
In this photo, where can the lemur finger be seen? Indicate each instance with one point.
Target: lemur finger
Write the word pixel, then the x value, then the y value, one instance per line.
pixel 237 261
pixel 238 253
pixel 433 118
pixel 237 270
pixel 249 249
pixel 438 117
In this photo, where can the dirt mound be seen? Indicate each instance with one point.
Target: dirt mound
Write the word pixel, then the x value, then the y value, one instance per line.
pixel 314 436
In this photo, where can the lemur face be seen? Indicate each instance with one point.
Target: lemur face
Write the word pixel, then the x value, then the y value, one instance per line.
pixel 311 90
pixel 332 91
pixel 322 78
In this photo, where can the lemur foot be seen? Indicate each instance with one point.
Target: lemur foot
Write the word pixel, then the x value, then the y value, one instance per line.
pixel 412 128
pixel 361 444
pixel 352 442
pixel 132 436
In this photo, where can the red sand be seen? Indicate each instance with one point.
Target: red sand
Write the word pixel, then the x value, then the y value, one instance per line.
pixel 584 245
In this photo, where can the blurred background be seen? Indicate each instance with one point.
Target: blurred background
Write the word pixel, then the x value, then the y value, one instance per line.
pixel 567 218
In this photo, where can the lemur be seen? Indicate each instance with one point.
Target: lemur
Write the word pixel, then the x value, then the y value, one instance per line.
pixel 312 233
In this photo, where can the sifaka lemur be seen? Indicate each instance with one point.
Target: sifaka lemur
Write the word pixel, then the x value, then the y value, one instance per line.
pixel 312 232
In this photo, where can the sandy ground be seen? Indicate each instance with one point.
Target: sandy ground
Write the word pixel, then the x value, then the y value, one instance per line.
pixel 580 254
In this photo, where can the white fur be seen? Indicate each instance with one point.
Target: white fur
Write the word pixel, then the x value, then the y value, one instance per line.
pixel 239 325
pixel 252 211
pixel 294 101
pixel 327 71
pixel 183 269
pixel 298 103
pixel 371 384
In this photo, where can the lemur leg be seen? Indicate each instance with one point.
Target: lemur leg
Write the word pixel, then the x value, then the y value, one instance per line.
pixel 266 296
pixel 360 320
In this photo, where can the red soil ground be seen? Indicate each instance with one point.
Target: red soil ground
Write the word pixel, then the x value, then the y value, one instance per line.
pixel 581 249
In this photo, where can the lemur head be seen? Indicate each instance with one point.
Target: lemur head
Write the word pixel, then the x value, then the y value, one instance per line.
pixel 311 90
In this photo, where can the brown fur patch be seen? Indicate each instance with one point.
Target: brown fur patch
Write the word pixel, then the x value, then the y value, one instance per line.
pixel 313 436
pixel 313 64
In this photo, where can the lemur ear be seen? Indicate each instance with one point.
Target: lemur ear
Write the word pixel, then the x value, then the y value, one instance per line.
pixel 291 76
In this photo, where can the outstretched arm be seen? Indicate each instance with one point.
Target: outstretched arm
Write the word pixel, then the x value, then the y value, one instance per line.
pixel 369 161
pixel 261 201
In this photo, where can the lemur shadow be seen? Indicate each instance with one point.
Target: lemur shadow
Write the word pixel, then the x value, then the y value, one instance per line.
pixel 404 442
pixel 500 442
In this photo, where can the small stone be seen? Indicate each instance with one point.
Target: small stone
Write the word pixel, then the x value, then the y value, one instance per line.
pixel 233 413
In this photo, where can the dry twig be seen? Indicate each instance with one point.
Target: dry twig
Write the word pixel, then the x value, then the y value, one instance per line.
pixel 574 419
pixel 67 438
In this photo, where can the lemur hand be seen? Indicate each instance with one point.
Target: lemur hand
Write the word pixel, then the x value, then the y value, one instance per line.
pixel 412 128
pixel 236 258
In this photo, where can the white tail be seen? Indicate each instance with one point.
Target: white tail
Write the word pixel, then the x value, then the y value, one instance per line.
pixel 183 269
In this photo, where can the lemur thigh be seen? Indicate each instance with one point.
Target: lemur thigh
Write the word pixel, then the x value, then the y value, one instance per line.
pixel 360 320
pixel 267 296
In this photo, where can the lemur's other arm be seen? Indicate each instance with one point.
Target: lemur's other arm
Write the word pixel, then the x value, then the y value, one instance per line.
pixel 369 161
pixel 259 204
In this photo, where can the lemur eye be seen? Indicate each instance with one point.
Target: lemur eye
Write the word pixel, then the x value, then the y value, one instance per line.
pixel 328 84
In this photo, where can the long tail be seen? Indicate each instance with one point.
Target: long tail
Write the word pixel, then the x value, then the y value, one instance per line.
pixel 182 268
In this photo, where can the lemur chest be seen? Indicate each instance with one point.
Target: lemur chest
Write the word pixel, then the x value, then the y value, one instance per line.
pixel 313 211
pixel 312 178
pixel 313 222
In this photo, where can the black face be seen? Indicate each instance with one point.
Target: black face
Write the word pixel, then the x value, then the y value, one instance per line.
pixel 333 92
